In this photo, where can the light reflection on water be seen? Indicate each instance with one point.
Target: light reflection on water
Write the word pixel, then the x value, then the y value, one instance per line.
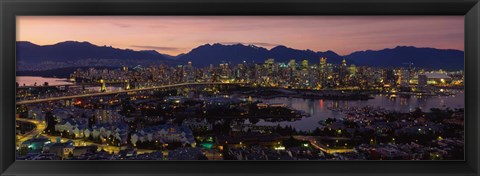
pixel 319 109
pixel 31 80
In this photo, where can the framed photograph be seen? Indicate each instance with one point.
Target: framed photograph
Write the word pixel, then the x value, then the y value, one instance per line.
pixel 239 87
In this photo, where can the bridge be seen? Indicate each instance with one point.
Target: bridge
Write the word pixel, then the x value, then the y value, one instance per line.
pixel 315 141
pixel 39 127
pixel 24 102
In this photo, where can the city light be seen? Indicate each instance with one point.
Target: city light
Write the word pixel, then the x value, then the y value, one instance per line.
pixel 276 105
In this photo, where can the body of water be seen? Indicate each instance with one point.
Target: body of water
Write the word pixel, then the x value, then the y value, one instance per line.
pixel 318 108
pixel 31 80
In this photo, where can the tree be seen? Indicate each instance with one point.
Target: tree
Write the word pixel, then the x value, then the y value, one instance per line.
pixel 50 119
pixel 174 145
pixel 202 157
pixel 70 155
pixel 134 139
pixel 22 110
pixel 253 120
pixel 23 151
pixel 91 121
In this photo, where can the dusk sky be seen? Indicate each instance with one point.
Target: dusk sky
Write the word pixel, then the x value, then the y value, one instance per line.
pixel 179 34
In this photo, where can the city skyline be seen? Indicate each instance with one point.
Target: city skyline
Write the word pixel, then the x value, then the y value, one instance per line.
pixel 77 54
pixel 401 97
pixel 175 35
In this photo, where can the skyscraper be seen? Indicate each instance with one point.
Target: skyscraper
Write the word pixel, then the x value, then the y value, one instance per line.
pixel 343 73
pixel 292 64
pixel 422 81
pixel 323 72
pixel 305 64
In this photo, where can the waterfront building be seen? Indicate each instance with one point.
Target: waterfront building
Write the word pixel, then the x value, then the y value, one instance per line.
pixel 435 78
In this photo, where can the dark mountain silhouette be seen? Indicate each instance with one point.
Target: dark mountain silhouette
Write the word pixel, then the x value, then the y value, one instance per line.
pixel 402 55
pixel 152 52
pixel 237 53
pixel 83 54
pixel 432 58
pixel 284 54
pixel 217 53
pixel 73 53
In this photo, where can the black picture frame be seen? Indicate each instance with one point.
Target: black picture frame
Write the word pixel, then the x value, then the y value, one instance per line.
pixel 11 8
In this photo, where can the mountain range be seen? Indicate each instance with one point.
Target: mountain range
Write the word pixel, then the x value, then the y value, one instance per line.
pixel 237 53
pixel 83 54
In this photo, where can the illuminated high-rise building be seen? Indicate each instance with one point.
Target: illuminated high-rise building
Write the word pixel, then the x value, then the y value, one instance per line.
pixel 225 72
pixel 343 75
pixel 323 72
pixel 269 65
pixel 323 63
pixel 352 69
pixel 270 61
pixel 292 64
pixel 304 75
pixel 389 76
pixel 189 73
pixel 422 81
pixel 403 78
pixel 305 64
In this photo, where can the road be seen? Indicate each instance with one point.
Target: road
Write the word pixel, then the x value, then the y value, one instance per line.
pixel 315 142
pixel 40 127
pixel 23 102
